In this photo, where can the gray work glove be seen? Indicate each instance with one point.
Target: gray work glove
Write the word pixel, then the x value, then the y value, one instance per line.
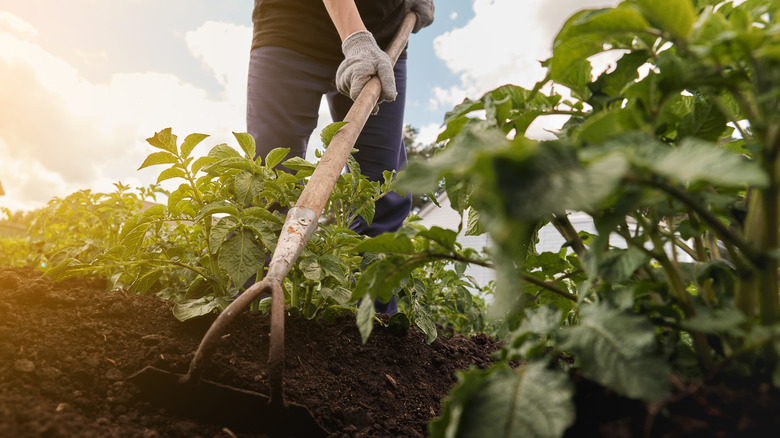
pixel 424 11
pixel 363 59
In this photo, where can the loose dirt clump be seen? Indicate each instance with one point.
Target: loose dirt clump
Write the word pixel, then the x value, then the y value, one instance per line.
pixel 66 349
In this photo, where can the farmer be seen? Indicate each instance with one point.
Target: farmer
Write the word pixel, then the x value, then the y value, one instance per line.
pixel 304 49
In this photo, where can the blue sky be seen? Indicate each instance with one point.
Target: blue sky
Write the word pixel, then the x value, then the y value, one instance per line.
pixel 86 81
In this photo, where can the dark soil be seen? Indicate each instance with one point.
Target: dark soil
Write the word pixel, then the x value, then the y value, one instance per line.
pixel 67 348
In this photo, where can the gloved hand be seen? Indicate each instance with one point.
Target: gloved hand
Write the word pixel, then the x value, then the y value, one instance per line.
pixel 363 59
pixel 424 11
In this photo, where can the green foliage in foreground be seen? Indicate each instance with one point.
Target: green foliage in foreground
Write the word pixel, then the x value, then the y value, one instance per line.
pixel 674 153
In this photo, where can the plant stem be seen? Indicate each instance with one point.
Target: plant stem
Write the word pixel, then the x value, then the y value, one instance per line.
pixel 549 287
pixel 307 300
pixel 718 227
pixel 294 296
pixel 567 230
pixel 698 243
pixel 421 257
pixel 674 278
pixel 769 307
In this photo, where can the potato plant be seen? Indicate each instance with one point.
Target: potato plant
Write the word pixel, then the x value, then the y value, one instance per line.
pixel 674 153
pixel 78 226
pixel 217 229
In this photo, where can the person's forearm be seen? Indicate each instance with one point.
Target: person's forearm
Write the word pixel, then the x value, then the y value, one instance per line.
pixel 345 17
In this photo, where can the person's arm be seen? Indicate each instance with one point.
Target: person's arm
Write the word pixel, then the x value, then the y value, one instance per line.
pixel 345 17
pixel 362 56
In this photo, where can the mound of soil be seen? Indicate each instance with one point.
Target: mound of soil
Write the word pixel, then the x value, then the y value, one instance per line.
pixel 66 349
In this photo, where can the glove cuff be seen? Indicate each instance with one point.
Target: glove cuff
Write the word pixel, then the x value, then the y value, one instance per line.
pixel 358 42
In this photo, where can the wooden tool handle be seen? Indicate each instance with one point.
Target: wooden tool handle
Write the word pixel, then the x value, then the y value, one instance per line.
pixel 322 181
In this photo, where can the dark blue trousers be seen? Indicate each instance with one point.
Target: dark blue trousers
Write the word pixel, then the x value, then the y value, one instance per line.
pixel 283 99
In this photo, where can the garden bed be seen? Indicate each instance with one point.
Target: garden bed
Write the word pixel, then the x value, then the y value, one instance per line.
pixel 66 348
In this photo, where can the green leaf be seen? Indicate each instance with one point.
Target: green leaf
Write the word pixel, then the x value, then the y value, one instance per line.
pixel 385 276
pixel 263 230
pixel 553 181
pixel 625 73
pixel 223 151
pixel 247 185
pixel 615 265
pixel 617 350
pixel 697 160
pixel 453 127
pixel 605 125
pixel 217 207
pixel 175 197
pixel 726 321
pixel 458 159
pixel 298 164
pixel 154 213
pixel 334 266
pixel 365 318
pixel 159 158
pixel 387 243
pixel 189 144
pixel 164 140
pixel 399 324
pixel 673 16
pixel 584 35
pixel 706 122
pixel 276 156
pixel 237 163
pixel 339 294
pixel 199 288
pixel 173 172
pixel 530 339
pixel 241 257
pixel 544 320
pixel 144 282
pixel 311 269
pixel 262 214
pixel 247 143
pixel 473 227
pixel 134 231
pixel 220 231
pixel 421 315
pixel 367 211
pixel 444 237
pixel 133 240
pixel 530 401
pixel 189 309
pixel 329 131
pixel 198 164
pixel 65 269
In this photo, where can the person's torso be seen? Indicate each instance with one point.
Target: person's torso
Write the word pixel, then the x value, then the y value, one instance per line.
pixel 306 27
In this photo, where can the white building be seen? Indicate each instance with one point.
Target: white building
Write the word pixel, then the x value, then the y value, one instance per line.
pixel 549 238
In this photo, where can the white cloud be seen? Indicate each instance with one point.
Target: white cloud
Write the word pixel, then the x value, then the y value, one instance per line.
pixel 446 98
pixel 224 49
pixel 59 132
pixel 503 43
pixel 9 21
pixel 428 134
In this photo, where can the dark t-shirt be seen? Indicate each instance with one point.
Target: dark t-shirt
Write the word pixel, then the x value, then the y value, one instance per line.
pixel 306 27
